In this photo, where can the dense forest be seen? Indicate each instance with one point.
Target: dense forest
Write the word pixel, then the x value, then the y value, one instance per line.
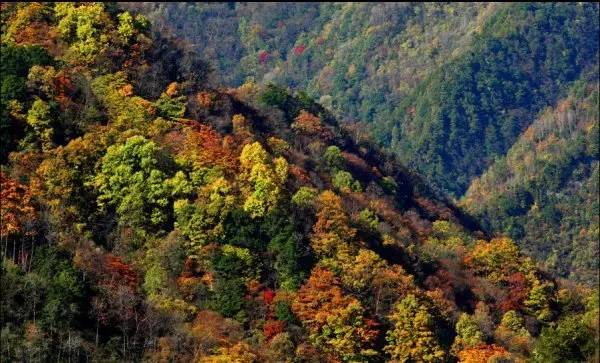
pixel 449 88
pixel 434 79
pixel 545 190
pixel 151 212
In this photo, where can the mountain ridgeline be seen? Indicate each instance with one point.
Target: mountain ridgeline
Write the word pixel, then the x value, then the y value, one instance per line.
pixel 151 213
pixel 447 86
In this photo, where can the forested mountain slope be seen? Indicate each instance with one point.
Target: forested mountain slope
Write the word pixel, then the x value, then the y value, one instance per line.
pixel 448 88
pixel 474 108
pixel 311 45
pixel 149 214
pixel 544 192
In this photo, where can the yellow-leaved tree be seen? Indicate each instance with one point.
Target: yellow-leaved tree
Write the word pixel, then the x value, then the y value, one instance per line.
pixel 262 179
pixel 413 338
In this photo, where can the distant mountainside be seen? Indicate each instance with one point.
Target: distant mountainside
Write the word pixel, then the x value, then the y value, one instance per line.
pixel 473 108
pixel 361 58
pixel 150 214
pixel 544 192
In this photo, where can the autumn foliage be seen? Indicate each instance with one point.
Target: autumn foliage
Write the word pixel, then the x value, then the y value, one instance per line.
pixel 332 232
pixel 309 124
pixel 16 209
pixel 203 146
pixel 483 353
pixel 147 214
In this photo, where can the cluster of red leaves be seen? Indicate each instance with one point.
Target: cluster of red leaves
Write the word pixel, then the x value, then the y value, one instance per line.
pixel 518 291
pixel 16 208
pixel 298 50
pixel 190 278
pixel 205 99
pixel 263 57
pixel 211 329
pixel 118 296
pixel 319 298
pixel 203 146
pixel 370 331
pixel 268 296
pixel 135 55
pixel 383 207
pixel 357 164
pixel 34 28
pixel 64 88
pixel 442 279
pixel 118 272
pixel 117 300
pixel 417 224
pixel 272 328
pixel 299 174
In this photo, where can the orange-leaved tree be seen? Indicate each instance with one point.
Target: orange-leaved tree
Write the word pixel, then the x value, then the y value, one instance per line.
pixel 337 323
pixel 332 232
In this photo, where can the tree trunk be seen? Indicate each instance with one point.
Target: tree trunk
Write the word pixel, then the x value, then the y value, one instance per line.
pixel 31 257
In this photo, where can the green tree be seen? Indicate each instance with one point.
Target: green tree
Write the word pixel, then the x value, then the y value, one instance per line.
pixel 514 322
pixel 334 159
pixel 539 300
pixel 39 117
pixel 368 219
pixel 305 197
pixel 570 340
pixel 467 333
pixel 124 110
pixel 234 262
pixel 82 26
pixel 129 26
pixel 274 96
pixel 286 247
pixel 203 221
pixel 171 105
pixel 347 335
pixel 15 62
pixel 228 297
pixel 132 179
pixel 343 181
